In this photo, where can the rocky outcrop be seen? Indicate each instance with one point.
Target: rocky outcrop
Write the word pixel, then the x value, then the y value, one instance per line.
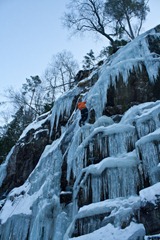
pixel 122 95
pixel 138 90
pixel 150 217
pixel 25 156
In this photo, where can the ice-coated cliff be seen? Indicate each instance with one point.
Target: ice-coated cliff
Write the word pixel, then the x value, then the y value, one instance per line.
pixel 99 181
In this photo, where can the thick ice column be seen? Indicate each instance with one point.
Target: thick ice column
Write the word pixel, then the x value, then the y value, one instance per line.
pixel 103 142
pixel 122 182
pixel 149 121
pixel 17 227
pixel 121 139
pixel 148 148
pixel 112 177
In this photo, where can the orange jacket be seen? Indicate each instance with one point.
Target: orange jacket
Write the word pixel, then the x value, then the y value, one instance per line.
pixel 81 105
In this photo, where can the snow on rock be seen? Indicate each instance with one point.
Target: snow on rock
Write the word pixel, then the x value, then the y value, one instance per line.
pixel 133 231
pixel 150 194
pixel 144 116
pixel 127 160
pixel 150 237
pixel 36 124
pixel 107 206
pixel 116 211
pixel 138 111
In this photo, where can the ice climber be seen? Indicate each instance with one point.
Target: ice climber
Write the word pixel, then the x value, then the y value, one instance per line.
pixel 84 112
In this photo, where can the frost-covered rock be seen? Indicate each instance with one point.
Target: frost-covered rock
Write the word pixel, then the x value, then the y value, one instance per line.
pixel 25 155
pixel 149 213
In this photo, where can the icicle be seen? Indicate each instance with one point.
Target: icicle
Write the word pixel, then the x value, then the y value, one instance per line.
pixel 3 166
pixel 152 67
pixel 96 184
pixel 149 121
pixel 121 139
pixel 148 148
pixel 63 105
pixel 112 177
pixel 122 182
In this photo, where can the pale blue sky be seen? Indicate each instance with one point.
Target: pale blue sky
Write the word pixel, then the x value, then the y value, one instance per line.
pixel 31 33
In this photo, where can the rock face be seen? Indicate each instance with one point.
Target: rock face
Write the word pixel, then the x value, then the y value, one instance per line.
pixel 138 90
pixel 121 96
pixel 150 217
pixel 25 156
pixel 61 181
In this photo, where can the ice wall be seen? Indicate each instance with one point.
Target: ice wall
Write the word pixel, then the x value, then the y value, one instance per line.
pixel 36 204
pixel 115 161
pixel 107 151
pixel 98 162
pixel 149 153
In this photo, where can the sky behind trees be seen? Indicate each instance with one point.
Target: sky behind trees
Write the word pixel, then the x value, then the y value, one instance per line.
pixel 31 33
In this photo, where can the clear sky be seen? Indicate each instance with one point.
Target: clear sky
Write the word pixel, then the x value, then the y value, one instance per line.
pixel 31 33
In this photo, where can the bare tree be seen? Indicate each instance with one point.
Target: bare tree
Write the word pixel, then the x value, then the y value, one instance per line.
pixel 15 97
pixel 29 98
pixel 88 16
pixel 61 73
